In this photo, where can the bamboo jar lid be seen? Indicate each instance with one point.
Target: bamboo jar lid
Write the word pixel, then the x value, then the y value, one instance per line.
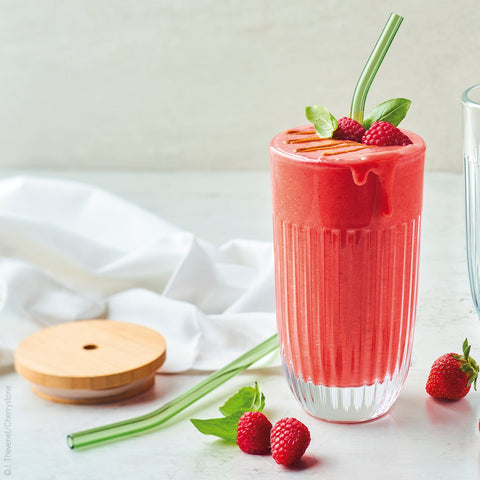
pixel 91 361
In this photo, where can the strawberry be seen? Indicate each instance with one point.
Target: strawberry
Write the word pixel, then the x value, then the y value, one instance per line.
pixel 289 439
pixel 349 129
pixel 253 433
pixel 452 375
pixel 383 134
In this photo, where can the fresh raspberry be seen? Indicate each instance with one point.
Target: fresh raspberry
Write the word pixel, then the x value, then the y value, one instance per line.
pixel 349 129
pixel 289 439
pixel 451 375
pixel 253 434
pixel 383 134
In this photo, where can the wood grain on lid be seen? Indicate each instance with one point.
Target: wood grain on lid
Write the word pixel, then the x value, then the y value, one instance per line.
pixel 90 354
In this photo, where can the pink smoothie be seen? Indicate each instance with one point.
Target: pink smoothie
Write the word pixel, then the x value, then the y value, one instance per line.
pixel 346 239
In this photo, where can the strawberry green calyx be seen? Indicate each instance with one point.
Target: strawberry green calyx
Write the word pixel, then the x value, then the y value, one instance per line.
pixel 468 364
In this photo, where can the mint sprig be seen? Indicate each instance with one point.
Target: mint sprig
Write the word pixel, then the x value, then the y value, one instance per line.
pixel 247 399
pixel 392 111
pixel 223 427
pixel 325 123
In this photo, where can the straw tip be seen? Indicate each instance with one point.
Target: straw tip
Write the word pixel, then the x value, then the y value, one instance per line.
pixel 396 16
pixel 70 442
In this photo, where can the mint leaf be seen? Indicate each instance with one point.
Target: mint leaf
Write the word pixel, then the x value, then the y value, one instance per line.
pixel 392 111
pixel 224 427
pixel 259 401
pixel 246 399
pixel 324 122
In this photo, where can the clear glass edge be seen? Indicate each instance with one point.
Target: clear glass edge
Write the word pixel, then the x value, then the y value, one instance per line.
pixel 468 101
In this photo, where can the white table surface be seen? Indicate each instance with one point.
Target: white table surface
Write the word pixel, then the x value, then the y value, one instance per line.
pixel 419 439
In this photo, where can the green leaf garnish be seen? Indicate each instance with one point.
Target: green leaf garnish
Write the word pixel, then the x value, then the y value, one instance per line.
pixel 392 111
pixel 325 123
pixel 223 427
pixel 468 364
pixel 247 399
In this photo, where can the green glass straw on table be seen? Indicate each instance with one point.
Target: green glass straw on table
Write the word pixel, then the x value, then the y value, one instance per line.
pixel 146 423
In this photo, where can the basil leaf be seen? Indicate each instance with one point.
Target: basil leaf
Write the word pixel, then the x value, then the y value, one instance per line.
pixel 224 427
pixel 392 111
pixel 247 398
pixel 259 401
pixel 324 122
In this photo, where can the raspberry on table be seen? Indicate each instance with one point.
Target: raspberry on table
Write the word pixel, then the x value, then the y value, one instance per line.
pixel 383 134
pixel 289 439
pixel 349 129
pixel 253 434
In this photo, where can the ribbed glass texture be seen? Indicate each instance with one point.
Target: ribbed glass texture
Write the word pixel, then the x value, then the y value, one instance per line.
pixel 346 322
pixel 471 159
pixel 346 234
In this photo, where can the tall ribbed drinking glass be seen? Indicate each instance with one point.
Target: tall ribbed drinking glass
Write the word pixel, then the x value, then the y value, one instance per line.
pixel 471 160
pixel 346 241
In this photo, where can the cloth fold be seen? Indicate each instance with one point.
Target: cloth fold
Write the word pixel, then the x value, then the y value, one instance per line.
pixel 71 251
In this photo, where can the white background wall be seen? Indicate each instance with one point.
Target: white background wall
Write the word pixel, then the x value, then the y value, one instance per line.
pixel 206 83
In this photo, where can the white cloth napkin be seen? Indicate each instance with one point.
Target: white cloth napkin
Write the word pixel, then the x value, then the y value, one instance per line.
pixel 71 251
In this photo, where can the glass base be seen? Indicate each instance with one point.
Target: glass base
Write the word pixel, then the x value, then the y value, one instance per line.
pixel 346 404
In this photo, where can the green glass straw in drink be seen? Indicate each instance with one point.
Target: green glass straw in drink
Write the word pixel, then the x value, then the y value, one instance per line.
pixel 373 64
